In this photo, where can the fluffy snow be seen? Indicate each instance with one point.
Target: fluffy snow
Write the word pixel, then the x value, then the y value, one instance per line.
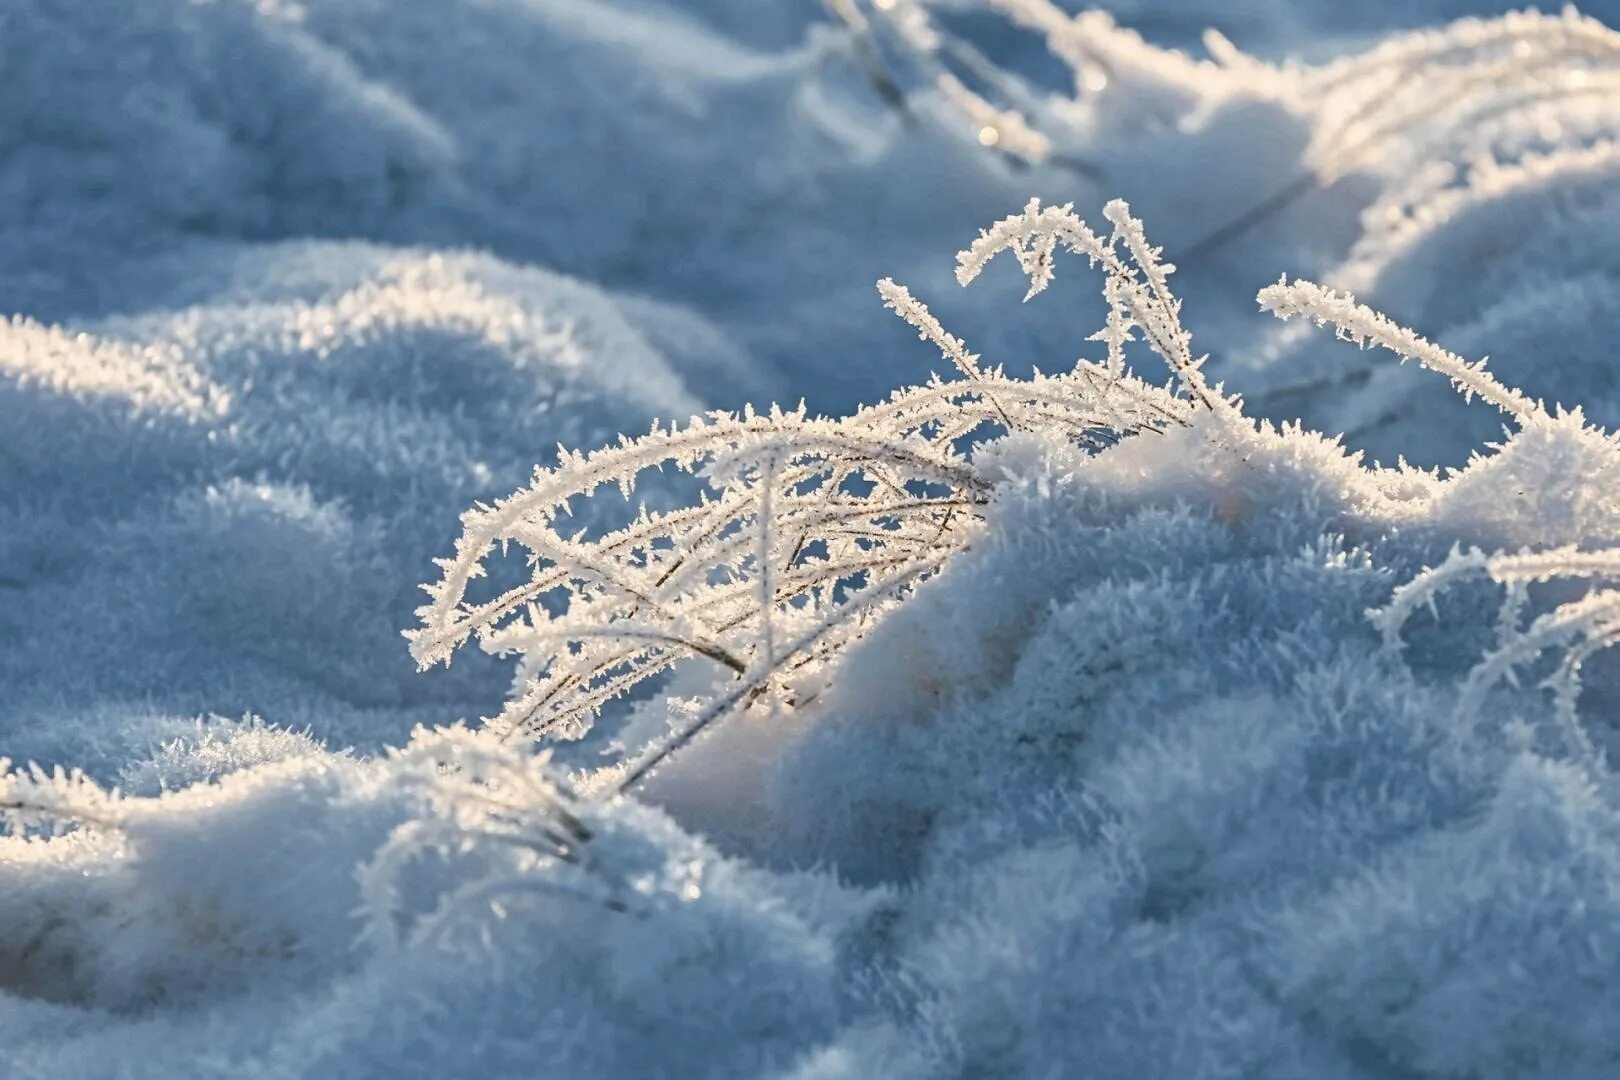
pixel 1131 787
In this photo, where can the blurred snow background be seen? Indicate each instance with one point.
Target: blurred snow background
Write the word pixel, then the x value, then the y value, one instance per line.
pixel 293 285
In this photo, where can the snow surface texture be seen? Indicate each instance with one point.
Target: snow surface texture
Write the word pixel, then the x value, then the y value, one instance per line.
pixel 1131 786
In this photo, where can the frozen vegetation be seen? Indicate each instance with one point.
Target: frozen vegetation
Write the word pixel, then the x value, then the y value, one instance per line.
pixel 1158 690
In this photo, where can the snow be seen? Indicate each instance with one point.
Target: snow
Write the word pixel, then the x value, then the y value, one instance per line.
pixel 1160 715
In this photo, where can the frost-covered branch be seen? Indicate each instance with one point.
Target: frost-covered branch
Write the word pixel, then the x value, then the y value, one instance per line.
pixel 802 531
pixel 481 800
pixel 1580 627
pixel 1136 284
pixel 1005 129
pixel 1363 326
pixel 33 799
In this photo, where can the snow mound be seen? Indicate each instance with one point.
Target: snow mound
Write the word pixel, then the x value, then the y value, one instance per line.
pixel 250 482
pixel 224 923
pixel 224 117
pixel 1158 798
pixel 1167 807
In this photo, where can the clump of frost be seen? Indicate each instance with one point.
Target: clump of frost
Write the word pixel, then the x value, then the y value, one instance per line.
pixel 214 748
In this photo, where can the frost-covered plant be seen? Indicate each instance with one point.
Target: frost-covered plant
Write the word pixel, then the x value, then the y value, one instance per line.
pixel 1444 95
pixel 1413 238
pixel 808 527
pixel 1449 81
pixel 480 798
pixel 1476 87
pixel 1579 627
pixel 1407 216
pixel 1360 324
pixel 1004 113
pixel 37 800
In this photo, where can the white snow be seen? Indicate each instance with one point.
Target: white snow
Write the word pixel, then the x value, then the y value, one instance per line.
pixel 1106 722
